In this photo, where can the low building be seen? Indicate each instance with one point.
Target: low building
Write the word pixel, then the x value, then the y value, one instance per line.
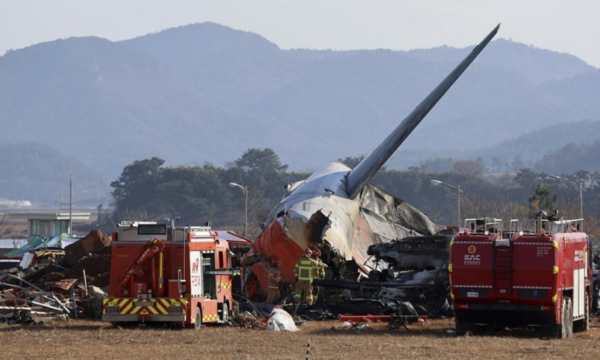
pixel 49 224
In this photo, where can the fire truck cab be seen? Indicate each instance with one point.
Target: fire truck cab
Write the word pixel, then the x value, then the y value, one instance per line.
pixel 536 278
pixel 180 275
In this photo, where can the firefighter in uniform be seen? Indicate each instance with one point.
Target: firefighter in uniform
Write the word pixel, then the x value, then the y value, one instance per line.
pixel 318 271
pixel 304 272
pixel 274 278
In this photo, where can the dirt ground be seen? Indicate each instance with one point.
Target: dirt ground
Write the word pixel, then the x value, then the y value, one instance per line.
pixel 79 339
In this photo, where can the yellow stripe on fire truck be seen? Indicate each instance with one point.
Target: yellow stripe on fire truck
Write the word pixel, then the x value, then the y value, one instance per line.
pixel 225 285
pixel 143 306
pixel 213 317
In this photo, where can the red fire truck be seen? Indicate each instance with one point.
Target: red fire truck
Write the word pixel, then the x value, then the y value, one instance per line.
pixel 539 278
pixel 180 275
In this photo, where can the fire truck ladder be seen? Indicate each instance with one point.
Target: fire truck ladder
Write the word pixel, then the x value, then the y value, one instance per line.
pixel 148 251
pixel 502 266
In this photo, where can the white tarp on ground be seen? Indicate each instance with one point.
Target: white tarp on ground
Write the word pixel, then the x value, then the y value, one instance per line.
pixel 280 320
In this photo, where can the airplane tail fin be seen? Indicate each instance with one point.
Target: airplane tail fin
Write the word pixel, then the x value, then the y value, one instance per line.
pixel 367 168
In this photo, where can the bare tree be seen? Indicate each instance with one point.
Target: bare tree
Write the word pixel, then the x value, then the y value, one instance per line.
pixel 475 206
pixel 7 231
pixel 5 228
pixel 468 168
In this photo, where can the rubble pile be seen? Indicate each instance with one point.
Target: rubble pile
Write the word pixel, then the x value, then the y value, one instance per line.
pixel 93 243
pixel 96 267
pixel 52 286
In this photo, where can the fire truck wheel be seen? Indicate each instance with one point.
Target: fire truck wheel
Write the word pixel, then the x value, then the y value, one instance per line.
pixel 462 328
pixel 586 320
pixel 566 326
pixel 569 318
pixel 559 330
pixel 584 324
pixel 198 322
pixel 224 312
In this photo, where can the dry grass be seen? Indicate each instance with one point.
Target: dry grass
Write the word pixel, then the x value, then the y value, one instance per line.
pixel 95 340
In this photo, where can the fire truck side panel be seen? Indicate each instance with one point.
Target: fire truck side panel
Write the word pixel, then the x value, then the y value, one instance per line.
pixel 527 278
pixel 576 248
pixel 196 278
pixel 533 267
pixel 208 308
pixel 471 267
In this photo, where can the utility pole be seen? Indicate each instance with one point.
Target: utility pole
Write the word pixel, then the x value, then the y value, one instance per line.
pixel 70 227
pixel 580 187
pixel 71 205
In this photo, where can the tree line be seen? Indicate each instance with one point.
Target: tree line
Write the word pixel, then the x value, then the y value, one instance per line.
pixel 147 190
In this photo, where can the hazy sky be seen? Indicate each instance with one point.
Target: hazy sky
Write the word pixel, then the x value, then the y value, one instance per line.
pixel 560 25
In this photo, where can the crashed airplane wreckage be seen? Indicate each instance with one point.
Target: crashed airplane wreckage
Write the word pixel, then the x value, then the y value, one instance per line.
pixel 337 211
pixel 410 278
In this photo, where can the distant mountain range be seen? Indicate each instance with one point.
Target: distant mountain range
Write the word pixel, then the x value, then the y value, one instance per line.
pixel 41 175
pixel 206 93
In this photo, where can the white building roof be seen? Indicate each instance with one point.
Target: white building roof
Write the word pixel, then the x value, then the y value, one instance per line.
pixel 50 216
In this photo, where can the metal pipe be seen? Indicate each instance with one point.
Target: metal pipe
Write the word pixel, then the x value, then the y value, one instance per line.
pixel 46 294
pixel 85 283
pixel 161 279
pixel 154 283
pixel 31 302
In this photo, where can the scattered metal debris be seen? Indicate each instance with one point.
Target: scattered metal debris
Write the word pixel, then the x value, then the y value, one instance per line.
pixel 48 287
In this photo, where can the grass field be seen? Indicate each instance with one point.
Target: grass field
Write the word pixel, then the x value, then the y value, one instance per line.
pixel 82 339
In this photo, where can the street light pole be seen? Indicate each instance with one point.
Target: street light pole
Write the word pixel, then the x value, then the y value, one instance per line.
pixel 458 191
pixel 581 200
pixel 580 187
pixel 245 191
pixel 459 218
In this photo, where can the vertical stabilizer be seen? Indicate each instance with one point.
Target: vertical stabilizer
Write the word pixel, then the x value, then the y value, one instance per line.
pixel 367 168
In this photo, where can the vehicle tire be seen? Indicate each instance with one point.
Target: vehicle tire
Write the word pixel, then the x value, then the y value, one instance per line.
pixel 587 320
pixel 462 328
pixel 569 318
pixel 224 312
pixel 566 327
pixel 560 330
pixel 198 321
pixel 584 324
pixel 236 309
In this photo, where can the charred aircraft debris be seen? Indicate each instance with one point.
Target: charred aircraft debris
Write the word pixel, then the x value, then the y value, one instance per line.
pixel 359 227
pixel 410 278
